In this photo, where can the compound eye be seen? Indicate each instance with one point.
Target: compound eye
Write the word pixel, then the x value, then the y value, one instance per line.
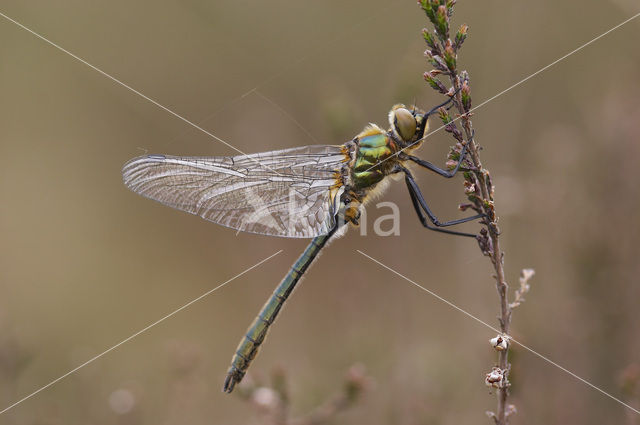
pixel 404 123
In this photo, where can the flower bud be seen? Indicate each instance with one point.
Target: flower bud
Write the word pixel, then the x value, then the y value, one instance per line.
pixel 428 38
pixel 436 84
pixel 461 35
pixel 465 94
pixel 450 56
pixel 442 23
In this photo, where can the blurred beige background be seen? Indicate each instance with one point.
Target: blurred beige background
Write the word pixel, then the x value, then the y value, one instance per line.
pixel 84 263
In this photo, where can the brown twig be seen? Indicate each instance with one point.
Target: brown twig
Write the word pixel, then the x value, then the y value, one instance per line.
pixel 442 54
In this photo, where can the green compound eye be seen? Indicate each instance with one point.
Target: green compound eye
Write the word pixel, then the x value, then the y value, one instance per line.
pixel 404 123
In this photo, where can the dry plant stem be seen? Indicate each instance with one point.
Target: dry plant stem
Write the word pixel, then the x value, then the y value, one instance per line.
pixel 495 253
pixel 442 53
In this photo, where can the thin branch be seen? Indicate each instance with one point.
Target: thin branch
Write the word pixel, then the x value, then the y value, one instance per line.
pixel 442 54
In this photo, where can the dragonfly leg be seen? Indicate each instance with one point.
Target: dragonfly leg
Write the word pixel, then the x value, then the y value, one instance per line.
pixel 421 207
pixel 444 173
pixel 435 108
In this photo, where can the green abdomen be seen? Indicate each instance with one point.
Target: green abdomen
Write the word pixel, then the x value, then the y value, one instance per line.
pixel 372 150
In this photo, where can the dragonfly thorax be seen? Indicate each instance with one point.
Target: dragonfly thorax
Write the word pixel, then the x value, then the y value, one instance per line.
pixel 376 154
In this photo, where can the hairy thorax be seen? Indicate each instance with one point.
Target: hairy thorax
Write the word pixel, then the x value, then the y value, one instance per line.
pixel 373 156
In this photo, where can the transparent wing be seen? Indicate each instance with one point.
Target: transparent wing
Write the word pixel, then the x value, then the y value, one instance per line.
pixel 290 193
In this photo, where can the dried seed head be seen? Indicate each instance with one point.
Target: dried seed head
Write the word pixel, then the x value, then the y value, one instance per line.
pixel 525 275
pixel 495 378
pixel 469 188
pixel 500 342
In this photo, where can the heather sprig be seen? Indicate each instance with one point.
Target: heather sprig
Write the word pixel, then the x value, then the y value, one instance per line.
pixel 442 54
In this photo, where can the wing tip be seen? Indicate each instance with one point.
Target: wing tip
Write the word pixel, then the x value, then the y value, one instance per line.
pixel 156 157
pixel 131 166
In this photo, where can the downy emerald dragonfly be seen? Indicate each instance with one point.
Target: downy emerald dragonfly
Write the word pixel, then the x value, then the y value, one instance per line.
pixel 303 192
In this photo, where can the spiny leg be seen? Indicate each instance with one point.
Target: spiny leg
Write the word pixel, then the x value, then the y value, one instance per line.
pixel 425 222
pixel 420 205
pixel 413 187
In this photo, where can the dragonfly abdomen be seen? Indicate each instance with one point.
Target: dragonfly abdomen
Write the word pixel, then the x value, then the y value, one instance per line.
pixel 257 332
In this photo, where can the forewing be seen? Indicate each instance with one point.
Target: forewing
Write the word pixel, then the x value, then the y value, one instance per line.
pixel 289 193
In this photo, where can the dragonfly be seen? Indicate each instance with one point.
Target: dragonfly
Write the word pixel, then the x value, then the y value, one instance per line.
pixel 303 192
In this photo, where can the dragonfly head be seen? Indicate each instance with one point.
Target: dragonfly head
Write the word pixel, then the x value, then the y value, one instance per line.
pixel 407 125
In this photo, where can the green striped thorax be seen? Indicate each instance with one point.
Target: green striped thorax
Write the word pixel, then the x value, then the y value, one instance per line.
pixel 375 145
